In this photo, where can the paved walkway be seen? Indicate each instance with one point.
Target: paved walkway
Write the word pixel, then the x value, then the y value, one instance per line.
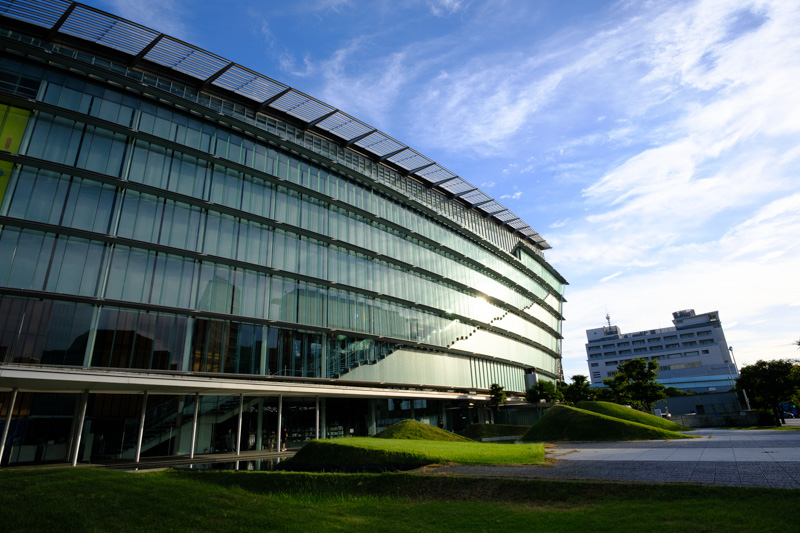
pixel 744 458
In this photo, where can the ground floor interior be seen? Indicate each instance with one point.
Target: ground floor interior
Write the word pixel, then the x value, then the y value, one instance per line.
pixel 85 427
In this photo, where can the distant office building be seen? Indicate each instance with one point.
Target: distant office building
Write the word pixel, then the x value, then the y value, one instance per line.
pixel 692 355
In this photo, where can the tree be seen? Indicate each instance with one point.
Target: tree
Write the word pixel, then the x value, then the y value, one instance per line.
pixel 672 392
pixel 769 383
pixel 635 381
pixel 543 390
pixel 497 396
pixel 579 390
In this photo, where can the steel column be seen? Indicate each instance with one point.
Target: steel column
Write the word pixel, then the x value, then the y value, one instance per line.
pixel 316 412
pixel 141 427
pixel 9 412
pixel 239 431
pixel 194 423
pixel 79 429
pixel 280 415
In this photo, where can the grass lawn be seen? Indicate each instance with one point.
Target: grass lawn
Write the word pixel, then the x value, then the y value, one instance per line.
pixel 564 423
pixel 81 499
pixel 361 452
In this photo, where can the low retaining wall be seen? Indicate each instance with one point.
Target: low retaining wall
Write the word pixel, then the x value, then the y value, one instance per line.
pixel 717 420
pixel 501 439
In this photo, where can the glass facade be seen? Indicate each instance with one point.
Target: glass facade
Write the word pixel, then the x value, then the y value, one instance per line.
pixel 150 225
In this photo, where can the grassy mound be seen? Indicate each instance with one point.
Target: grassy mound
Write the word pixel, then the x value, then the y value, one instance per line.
pixel 486 431
pixel 413 430
pixel 626 413
pixel 562 423
pixel 370 454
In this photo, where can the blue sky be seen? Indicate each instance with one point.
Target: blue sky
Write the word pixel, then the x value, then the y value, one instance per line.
pixel 655 145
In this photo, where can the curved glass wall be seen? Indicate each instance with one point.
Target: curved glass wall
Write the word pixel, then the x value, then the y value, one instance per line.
pixel 140 236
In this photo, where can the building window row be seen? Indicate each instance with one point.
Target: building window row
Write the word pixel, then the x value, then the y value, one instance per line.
pixel 87 205
pixel 61 334
pixel 55 139
pixel 130 112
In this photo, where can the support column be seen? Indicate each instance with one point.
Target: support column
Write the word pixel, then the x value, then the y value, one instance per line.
pixel 316 422
pixel 9 413
pixel 280 416
pixel 79 429
pixel 239 427
pixel 74 424
pixel 141 427
pixel 194 423
pixel 260 426
pixel 324 419
pixel 372 421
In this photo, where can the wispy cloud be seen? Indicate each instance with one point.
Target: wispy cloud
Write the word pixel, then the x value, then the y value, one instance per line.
pixel 165 16
pixel 610 277
pixel 443 8
pixel 703 199
pixel 516 196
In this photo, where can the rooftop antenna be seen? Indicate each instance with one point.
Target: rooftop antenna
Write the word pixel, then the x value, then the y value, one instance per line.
pixel 608 318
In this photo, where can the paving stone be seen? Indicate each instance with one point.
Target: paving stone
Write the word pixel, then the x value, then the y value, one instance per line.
pixel 731 458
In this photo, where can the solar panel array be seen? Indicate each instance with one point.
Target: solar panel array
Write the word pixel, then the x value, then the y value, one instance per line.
pixel 98 27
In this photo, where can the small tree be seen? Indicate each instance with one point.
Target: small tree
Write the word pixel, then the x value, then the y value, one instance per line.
pixel 579 390
pixel 635 380
pixel 543 390
pixel 769 383
pixel 497 396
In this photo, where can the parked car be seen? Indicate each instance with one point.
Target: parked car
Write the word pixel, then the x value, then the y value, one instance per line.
pixel 787 414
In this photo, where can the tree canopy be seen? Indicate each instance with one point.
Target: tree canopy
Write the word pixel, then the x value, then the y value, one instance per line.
pixel 579 390
pixel 497 395
pixel 635 383
pixel 768 383
pixel 543 390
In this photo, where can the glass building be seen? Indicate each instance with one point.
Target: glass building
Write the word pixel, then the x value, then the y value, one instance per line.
pixel 196 257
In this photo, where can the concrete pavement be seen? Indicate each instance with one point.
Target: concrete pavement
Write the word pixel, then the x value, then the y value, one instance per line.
pixel 745 458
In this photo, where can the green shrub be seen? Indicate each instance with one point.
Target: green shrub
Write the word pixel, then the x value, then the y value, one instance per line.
pixel 485 431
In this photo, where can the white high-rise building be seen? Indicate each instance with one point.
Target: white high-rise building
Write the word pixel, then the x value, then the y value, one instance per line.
pixel 692 355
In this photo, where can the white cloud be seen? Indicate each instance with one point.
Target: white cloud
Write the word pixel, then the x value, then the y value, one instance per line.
pixel 516 196
pixel 368 93
pixel 163 15
pixel 443 8
pixel 756 293
pixel 612 276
